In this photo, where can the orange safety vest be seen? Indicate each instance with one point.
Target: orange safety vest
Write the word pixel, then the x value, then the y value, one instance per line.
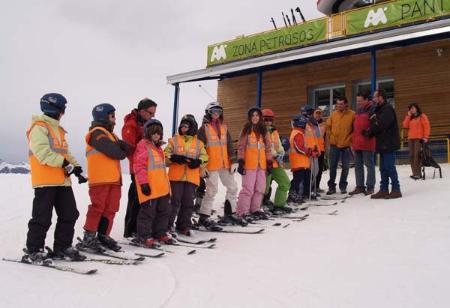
pixel 43 174
pixel 275 139
pixel 179 172
pixel 311 137
pixel 217 148
pixel 101 168
pixel 321 138
pixel 296 159
pixel 156 177
pixel 255 153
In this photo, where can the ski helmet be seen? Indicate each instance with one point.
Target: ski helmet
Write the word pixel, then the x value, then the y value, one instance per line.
pixel 53 104
pixel 190 120
pixel 101 112
pixel 150 123
pixel 307 110
pixel 213 107
pixel 268 113
pixel 299 121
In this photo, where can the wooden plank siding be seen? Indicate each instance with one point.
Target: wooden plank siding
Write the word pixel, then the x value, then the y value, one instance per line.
pixel 419 74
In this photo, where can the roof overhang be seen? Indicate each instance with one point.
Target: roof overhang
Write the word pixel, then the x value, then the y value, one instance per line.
pixel 330 49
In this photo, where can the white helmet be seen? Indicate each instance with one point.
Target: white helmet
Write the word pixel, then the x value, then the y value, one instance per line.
pixel 213 106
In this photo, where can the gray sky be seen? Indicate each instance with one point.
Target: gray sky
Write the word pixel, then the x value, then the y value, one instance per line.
pixel 111 51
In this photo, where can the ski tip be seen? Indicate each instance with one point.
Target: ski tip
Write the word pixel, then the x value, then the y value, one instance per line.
pixel 92 271
pixel 211 240
pixel 191 252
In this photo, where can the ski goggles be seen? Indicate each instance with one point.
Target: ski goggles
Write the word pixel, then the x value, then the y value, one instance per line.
pixel 218 111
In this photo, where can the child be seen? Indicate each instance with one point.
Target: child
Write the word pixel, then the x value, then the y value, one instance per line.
pixel 278 173
pixel 298 158
pixel 104 151
pixel 186 153
pixel 255 159
pixel 153 187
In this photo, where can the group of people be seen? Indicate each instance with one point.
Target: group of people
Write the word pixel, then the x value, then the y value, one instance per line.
pixel 162 200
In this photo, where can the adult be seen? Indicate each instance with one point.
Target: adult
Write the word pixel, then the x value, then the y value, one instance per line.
pixel 339 129
pixel 363 146
pixel 132 133
pixel 51 166
pixel 384 126
pixel 419 132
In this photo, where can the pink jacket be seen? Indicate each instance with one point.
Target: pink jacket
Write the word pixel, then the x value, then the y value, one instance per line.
pixel 140 160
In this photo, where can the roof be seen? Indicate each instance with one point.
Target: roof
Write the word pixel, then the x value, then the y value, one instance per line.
pixel 355 44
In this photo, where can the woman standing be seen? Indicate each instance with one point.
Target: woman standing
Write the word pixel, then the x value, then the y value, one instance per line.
pixel 419 132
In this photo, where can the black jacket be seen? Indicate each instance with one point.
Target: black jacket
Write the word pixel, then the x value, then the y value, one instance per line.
pixel 100 141
pixel 384 126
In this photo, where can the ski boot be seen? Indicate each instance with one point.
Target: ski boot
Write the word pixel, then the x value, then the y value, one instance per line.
pixel 149 242
pixel 90 243
pixel 39 257
pixel 184 231
pixel 260 215
pixel 232 220
pixel 167 239
pixel 208 224
pixel 280 210
pixel 70 253
pixel 109 243
pixel 294 199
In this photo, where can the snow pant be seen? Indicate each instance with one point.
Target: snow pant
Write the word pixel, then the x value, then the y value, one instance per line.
pixel 414 156
pixel 200 190
pixel 388 171
pixel 310 177
pixel 280 177
pixel 251 194
pixel 321 160
pixel 45 199
pixel 365 158
pixel 212 183
pixel 153 218
pixel 182 203
pixel 298 181
pixel 105 202
pixel 336 154
pixel 132 210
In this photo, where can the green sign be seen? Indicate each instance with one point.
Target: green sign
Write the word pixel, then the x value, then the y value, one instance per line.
pixel 394 14
pixel 268 42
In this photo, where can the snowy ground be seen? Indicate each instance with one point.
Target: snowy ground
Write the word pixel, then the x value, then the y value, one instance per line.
pixel 386 253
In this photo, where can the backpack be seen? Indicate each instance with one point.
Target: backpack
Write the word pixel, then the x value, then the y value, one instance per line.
pixel 427 160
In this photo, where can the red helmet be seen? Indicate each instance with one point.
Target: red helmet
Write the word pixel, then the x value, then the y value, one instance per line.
pixel 268 113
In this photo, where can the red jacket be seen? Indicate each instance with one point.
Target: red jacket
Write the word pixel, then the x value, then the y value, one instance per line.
pixel 362 122
pixel 132 133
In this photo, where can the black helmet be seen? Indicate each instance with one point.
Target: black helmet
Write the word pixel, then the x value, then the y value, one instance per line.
pixel 190 120
pixel 53 104
pixel 149 124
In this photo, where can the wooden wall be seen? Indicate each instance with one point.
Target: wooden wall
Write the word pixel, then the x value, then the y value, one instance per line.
pixel 420 75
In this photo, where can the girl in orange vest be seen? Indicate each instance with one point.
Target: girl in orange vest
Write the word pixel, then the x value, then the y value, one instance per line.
pixel 255 159
pixel 185 153
pixel 104 151
pixel 153 187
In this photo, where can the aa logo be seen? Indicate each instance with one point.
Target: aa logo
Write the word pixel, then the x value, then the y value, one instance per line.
pixel 219 53
pixel 376 17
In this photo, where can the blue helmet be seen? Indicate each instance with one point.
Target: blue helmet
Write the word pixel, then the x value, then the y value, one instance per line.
pixel 299 121
pixel 307 110
pixel 101 112
pixel 151 123
pixel 53 104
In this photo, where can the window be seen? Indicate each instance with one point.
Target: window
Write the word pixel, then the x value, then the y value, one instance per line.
pixel 386 84
pixel 325 97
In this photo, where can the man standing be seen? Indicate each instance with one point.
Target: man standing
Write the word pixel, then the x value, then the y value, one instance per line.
pixel 132 133
pixel 363 147
pixel 384 126
pixel 51 166
pixel 339 128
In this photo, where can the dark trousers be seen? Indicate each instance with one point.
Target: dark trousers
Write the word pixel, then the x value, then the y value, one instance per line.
pixel 336 154
pixel 153 218
pixel 132 210
pixel 45 199
pixel 388 171
pixel 415 146
pixel 298 181
pixel 321 160
pixel 182 202
pixel 200 190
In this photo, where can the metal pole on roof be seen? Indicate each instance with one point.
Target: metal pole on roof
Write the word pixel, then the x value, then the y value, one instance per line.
pixel 259 80
pixel 175 108
pixel 373 70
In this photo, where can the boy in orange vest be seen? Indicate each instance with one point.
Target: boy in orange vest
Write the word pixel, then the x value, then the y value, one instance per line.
pixel 104 151
pixel 255 159
pixel 51 166
pixel 153 187
pixel 185 153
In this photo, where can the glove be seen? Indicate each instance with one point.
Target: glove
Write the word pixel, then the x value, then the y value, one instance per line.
pixel 269 167
pixel 82 179
pixel 366 133
pixel 280 159
pixel 233 168
pixel 178 159
pixel 240 168
pixel 309 152
pixel 145 188
pixel 68 167
pixel 195 163
pixel 77 171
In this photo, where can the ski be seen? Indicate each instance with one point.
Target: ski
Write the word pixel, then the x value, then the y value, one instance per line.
pixel 297 217
pixel 160 248
pixel 148 255
pixel 320 203
pixel 193 239
pixel 204 245
pixel 56 267
pixel 332 213
pixel 236 229
pixel 115 255
pixel 335 197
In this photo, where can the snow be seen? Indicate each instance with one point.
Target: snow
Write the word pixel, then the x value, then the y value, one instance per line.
pixel 374 253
